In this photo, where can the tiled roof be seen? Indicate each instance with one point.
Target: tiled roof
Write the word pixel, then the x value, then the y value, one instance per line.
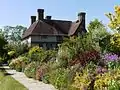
pixel 52 27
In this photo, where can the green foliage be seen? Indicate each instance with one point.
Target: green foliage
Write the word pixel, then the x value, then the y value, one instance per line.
pixel 51 55
pixel 74 46
pixel 11 54
pixel 1 60
pixel 40 55
pixel 19 63
pixel 16 48
pixel 59 78
pixel 94 24
pixel 30 70
pixel 97 30
pixel 34 50
pixel 108 80
pixel 84 78
pixel 37 54
pixel 82 81
pixel 3 51
pixel 99 35
pixel 115 42
pixel 105 44
pixel 111 43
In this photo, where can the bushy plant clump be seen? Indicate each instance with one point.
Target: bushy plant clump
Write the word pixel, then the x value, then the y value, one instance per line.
pixel 19 63
pixel 40 55
pixel 59 78
pixel 77 47
pixel 15 49
pixel 41 71
pixel 30 70
pixel 101 76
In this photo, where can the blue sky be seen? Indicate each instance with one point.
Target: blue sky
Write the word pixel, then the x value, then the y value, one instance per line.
pixel 18 12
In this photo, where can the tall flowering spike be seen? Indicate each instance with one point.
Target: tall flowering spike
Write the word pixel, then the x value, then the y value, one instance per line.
pixel 114 19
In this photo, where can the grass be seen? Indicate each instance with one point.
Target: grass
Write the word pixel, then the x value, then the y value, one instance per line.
pixel 9 83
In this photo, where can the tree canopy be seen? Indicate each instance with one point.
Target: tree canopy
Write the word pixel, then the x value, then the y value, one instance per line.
pixel 97 29
pixel 14 33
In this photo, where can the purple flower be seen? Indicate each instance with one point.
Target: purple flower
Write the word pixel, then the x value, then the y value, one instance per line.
pixel 110 57
pixel 100 70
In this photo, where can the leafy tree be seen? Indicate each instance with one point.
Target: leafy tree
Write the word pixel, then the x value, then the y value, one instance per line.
pixel 3 51
pixel 114 18
pixel 97 30
pixel 98 33
pixel 2 43
pixel 95 24
pixel 14 33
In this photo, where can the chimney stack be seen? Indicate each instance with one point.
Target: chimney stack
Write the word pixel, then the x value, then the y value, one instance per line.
pixel 40 14
pixel 33 19
pixel 81 17
pixel 48 17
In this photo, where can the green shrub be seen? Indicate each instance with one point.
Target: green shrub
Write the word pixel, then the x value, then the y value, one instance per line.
pixel 11 54
pixel 37 54
pixel 115 42
pixel 19 63
pixel 111 43
pixel 25 61
pixel 50 66
pixel 50 55
pixel 1 60
pixel 104 44
pixel 34 50
pixel 18 49
pixel 58 78
pixel 40 55
pixel 18 66
pixel 74 46
pixel 109 80
pixel 30 70
pixel 45 78
pixel 82 80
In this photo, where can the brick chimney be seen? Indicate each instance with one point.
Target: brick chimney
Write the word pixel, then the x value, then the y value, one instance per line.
pixel 33 19
pixel 81 17
pixel 48 17
pixel 40 14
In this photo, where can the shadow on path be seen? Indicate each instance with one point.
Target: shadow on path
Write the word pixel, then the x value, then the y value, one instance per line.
pixel 3 70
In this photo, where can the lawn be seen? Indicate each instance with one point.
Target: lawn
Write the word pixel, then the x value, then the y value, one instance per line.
pixel 8 83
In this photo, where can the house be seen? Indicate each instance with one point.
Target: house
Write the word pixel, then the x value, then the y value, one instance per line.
pixel 47 33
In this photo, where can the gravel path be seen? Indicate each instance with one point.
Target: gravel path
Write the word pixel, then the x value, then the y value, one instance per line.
pixel 29 83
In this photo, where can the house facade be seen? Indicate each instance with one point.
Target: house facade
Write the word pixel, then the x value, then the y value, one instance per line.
pixel 47 33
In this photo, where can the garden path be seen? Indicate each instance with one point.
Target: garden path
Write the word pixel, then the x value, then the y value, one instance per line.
pixel 29 83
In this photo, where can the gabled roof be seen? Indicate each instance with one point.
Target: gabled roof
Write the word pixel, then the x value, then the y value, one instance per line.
pixel 41 28
pixel 52 27
pixel 74 26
